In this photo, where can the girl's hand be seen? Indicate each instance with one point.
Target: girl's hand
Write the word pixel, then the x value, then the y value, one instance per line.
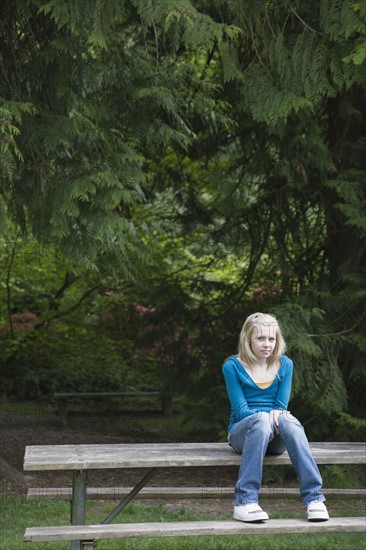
pixel 276 414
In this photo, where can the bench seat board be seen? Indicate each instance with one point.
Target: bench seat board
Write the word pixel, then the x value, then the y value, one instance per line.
pixel 191 528
pixel 141 455
pixel 203 493
pixel 111 394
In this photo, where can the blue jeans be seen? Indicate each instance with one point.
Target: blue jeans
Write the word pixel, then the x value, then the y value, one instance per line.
pixel 253 436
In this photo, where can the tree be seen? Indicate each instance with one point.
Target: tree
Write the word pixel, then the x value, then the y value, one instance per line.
pixel 283 191
pixel 86 97
pixel 235 135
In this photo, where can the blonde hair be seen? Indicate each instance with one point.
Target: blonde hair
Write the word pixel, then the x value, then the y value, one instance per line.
pixel 251 323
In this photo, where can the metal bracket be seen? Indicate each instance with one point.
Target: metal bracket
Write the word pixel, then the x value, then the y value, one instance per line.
pixel 150 474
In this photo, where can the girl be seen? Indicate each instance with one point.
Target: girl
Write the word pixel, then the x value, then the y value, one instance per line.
pixel 258 382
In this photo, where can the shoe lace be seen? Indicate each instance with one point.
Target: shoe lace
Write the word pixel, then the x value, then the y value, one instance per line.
pixel 253 507
pixel 315 502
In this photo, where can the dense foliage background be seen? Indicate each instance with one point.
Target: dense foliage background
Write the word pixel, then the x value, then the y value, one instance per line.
pixel 167 168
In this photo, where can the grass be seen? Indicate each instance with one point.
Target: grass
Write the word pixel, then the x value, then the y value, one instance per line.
pixel 17 514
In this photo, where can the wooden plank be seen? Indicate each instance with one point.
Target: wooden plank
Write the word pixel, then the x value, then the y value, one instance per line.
pixel 191 528
pixel 179 493
pixel 65 397
pixel 149 455
pixel 104 395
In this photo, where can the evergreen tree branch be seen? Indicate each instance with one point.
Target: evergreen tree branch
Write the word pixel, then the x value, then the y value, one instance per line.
pixel 210 55
pixel 8 288
pixel 339 333
pixel 258 55
pixel 306 25
pixel 269 22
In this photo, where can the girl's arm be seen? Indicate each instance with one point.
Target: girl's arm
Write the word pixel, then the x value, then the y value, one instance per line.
pixel 235 392
pixel 283 394
pixel 284 387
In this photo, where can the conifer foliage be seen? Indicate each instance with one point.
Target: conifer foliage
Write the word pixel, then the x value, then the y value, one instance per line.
pixel 224 139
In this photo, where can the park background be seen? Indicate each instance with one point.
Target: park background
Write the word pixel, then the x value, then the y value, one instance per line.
pixel 167 168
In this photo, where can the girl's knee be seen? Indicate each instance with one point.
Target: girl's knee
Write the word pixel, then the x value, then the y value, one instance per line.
pixel 289 423
pixel 262 422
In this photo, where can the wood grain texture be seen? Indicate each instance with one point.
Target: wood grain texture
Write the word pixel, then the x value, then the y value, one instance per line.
pixel 148 455
pixel 190 528
pixel 199 493
pixel 110 394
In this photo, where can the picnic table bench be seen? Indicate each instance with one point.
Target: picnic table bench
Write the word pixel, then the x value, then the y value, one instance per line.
pixel 80 458
pixel 183 493
pixel 63 398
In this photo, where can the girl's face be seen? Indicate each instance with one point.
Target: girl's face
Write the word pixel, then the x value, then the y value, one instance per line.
pixel 263 340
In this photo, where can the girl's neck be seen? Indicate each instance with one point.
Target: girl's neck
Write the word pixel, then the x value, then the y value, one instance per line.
pixel 259 364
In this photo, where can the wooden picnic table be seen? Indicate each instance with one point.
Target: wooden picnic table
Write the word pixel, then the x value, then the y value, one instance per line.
pixel 152 456
pixel 155 455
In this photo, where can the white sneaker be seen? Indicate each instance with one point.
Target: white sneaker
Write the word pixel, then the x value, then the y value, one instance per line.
pixel 317 511
pixel 249 512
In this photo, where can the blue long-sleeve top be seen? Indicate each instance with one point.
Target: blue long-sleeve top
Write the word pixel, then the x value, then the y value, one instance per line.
pixel 247 398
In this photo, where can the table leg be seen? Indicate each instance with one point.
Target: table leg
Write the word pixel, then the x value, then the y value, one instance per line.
pixel 62 408
pixel 167 404
pixel 131 495
pixel 78 503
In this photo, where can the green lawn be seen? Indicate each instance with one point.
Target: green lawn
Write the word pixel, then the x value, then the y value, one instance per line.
pixel 17 514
